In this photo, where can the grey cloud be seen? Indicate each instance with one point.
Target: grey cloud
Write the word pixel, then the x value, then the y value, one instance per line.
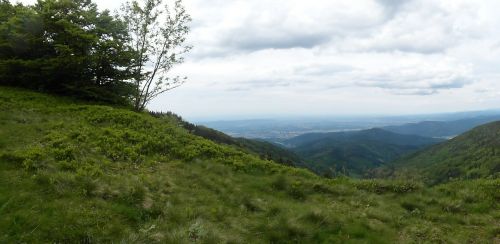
pixel 392 6
pixel 415 85
pixel 248 85
pixel 322 69
pixel 415 92
pixel 411 48
pixel 413 27
pixel 282 28
pixel 454 83
pixel 418 83
pixel 252 41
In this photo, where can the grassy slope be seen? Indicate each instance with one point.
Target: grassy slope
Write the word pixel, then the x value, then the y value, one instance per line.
pixel 84 173
pixel 475 154
pixel 263 149
pixel 355 152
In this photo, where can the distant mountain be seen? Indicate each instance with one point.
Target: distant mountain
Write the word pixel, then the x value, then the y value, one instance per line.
pixel 442 128
pixel 355 152
pixel 283 128
pixel 475 154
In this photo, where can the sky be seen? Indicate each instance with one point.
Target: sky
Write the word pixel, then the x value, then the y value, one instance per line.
pixel 264 59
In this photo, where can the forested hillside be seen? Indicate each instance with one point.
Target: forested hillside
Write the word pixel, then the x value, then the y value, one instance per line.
pixel 77 173
pixel 473 155
pixel 354 153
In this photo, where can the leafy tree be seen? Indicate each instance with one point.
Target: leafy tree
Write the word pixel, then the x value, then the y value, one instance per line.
pixel 157 36
pixel 88 46
pixel 66 47
pixel 21 45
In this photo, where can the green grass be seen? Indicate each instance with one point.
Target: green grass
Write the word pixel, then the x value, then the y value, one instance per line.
pixel 77 173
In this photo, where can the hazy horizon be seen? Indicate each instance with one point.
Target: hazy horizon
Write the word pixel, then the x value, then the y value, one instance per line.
pixel 416 116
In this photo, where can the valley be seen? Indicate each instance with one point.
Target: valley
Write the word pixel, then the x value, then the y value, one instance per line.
pixel 356 151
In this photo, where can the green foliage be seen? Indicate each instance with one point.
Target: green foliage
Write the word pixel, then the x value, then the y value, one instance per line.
pixel 356 153
pixel 77 173
pixel 385 186
pixel 264 150
pixel 65 47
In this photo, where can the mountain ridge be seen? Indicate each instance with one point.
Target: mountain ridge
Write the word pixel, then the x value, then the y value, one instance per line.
pixel 474 154
pixel 355 152
pixel 442 129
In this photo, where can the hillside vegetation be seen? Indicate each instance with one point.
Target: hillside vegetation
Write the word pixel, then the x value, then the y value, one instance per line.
pixel 357 152
pixel 473 155
pixel 265 150
pixel 78 173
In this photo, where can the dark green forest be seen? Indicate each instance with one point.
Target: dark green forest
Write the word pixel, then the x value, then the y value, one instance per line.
pixel 355 153
pixel 472 155
pixel 65 47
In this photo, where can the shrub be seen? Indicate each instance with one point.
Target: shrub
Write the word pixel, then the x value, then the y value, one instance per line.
pixel 280 183
pixel 296 190
pixel 34 158
pixel 384 186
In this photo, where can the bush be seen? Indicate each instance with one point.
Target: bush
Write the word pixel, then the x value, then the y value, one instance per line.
pixel 385 186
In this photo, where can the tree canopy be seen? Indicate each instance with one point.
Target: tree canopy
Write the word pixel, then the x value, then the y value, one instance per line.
pixel 72 48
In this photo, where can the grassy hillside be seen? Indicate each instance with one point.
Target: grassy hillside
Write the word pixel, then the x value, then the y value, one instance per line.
pixel 76 173
pixel 265 150
pixel 475 154
pixel 355 152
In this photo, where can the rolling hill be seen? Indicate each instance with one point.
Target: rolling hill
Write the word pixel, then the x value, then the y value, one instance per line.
pixel 355 152
pixel 442 129
pixel 474 154
pixel 72 172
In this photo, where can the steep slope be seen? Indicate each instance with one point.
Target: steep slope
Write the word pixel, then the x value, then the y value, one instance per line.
pixel 355 152
pixel 442 128
pixel 263 149
pixel 475 154
pixel 77 173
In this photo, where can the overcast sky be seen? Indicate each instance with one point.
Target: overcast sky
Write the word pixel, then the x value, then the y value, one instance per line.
pixel 261 58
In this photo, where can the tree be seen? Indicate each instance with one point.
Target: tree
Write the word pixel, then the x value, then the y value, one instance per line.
pixel 88 55
pixel 66 47
pixel 157 35
pixel 21 43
